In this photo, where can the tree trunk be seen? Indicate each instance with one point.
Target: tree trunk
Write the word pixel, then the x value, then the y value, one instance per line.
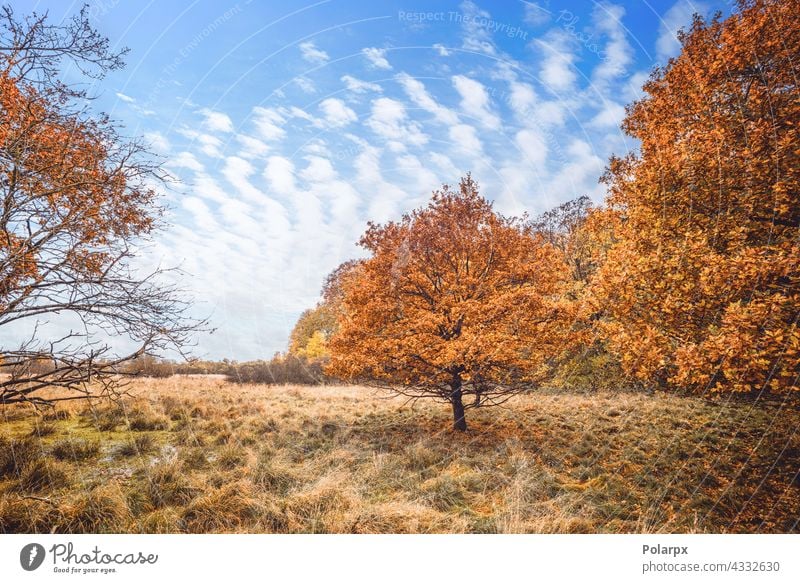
pixel 459 421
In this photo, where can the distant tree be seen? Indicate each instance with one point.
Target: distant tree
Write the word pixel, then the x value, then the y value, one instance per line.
pixel 76 199
pixel 455 301
pixel 563 228
pixel 579 233
pixel 147 365
pixel 282 369
pixel 702 287
pixel 313 327
pixel 310 335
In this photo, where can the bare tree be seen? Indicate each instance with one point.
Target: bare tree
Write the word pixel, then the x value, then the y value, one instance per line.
pixel 562 228
pixel 77 199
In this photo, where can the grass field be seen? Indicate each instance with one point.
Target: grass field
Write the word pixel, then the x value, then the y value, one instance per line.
pixel 191 454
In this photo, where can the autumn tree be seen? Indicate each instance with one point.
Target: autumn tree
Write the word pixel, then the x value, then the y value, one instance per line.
pixel 455 302
pixel 702 287
pixel 310 334
pixel 315 326
pixel 77 198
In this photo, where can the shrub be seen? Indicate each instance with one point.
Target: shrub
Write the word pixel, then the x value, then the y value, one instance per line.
pixel 593 369
pixel 161 521
pixel 281 370
pixel 150 366
pixel 57 415
pixel 43 429
pixel 105 418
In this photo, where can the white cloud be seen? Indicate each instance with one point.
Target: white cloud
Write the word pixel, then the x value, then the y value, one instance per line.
pixel 280 174
pixel 369 178
pixel 611 115
pixel 125 98
pixel 424 179
pixel 445 166
pixel 535 14
pixel 578 174
pixel 216 121
pixel 203 217
pixel 206 187
pixel 677 17
pixel 477 36
pixel 312 54
pixel 186 160
pixel 295 111
pixel 157 141
pixel 236 170
pixel 359 86
pixel 343 201
pixel 532 145
pixel 209 145
pixel 305 84
pixel 419 95
pixel 268 123
pixel 522 99
pixel 318 147
pixel 557 69
pixel 376 57
pixel 465 139
pixel 442 50
pixel 251 147
pixel 618 53
pixel 475 101
pixel 318 170
pixel 336 113
pixel 389 120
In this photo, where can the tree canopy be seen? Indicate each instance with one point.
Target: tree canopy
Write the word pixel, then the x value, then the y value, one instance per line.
pixel 455 302
pixel 702 288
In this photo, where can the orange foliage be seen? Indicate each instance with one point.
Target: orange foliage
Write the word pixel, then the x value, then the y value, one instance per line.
pixel 702 288
pixel 454 300
pixel 60 171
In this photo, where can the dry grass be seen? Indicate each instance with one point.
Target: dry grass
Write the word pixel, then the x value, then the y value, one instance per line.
pixel 200 455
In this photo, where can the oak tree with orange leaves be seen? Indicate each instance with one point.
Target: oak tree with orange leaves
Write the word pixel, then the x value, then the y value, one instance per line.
pixel 455 302
pixel 702 288
pixel 77 198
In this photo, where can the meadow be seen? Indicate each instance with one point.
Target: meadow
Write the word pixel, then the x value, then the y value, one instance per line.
pixel 200 454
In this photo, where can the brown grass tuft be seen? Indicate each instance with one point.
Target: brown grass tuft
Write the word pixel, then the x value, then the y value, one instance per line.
pixel 100 510
pixel 224 509
pixel 165 484
pixel 43 475
pixel 72 449
pixel 16 455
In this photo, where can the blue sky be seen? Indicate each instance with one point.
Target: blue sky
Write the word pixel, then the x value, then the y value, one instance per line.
pixel 291 124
